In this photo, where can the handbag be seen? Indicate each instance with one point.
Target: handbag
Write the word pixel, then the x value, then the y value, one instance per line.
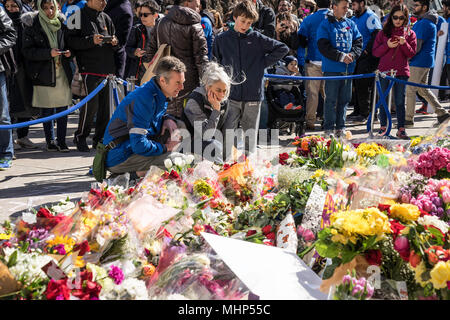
pixel 99 166
pixel 77 86
pixel 163 51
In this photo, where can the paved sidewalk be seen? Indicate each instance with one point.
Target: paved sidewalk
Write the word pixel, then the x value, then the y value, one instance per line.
pixel 39 177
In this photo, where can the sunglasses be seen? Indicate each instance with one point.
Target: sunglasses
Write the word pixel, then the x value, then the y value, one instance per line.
pixel 145 14
pixel 398 18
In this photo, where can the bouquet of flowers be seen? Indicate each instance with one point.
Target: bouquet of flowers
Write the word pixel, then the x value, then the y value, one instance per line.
pixel 434 163
pixel 353 288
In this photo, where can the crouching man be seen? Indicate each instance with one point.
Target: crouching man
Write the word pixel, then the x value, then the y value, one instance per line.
pixel 140 133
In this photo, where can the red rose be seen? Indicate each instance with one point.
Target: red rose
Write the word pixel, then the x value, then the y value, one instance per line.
pixel 83 247
pixel 174 175
pixel 384 207
pixel 282 158
pixel 57 289
pixel 266 229
pixel 95 192
pixel 374 257
pixel 271 236
pixel 396 227
pixel 250 233
pixel 108 194
pixel 44 213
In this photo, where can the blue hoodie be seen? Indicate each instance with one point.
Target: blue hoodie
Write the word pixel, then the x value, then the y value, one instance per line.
pixel 425 29
pixel 140 114
pixel 367 23
pixel 308 29
pixel 336 38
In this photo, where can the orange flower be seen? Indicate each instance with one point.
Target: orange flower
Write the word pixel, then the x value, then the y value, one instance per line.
pixel 414 259
pixel 198 229
pixel 436 254
pixel 305 145
pixel 148 270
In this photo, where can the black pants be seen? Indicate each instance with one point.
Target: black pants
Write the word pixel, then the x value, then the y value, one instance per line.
pixel 97 107
pixel 363 93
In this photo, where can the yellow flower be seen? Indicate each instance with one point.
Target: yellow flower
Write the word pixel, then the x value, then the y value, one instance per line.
pixel 405 212
pixel 370 150
pixel 66 241
pixel 318 174
pixel 419 270
pixel 415 141
pixel 440 274
pixel 4 236
pixel 79 262
pixel 339 238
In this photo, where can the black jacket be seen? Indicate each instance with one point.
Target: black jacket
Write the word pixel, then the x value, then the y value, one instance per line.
pixel 121 14
pixel 266 20
pixel 36 49
pixel 250 54
pixel 138 39
pixel 8 37
pixel 93 58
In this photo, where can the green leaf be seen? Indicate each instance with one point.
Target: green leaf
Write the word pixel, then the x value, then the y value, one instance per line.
pixel 437 233
pixel 12 260
pixel 327 250
pixel 348 255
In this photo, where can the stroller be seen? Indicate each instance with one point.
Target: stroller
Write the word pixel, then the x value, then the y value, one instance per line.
pixel 280 118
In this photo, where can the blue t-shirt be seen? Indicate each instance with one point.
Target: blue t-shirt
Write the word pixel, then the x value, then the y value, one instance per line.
pixel 208 30
pixel 341 34
pixel 425 30
pixel 301 56
pixel 308 28
pixel 367 23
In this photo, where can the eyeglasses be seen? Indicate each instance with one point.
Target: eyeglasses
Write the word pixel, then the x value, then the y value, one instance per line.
pixel 398 17
pixel 145 14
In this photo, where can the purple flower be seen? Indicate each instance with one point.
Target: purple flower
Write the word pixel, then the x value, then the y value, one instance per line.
pixel 59 297
pixel 357 289
pixel 361 281
pixel 116 274
pixel 370 290
pixel 347 279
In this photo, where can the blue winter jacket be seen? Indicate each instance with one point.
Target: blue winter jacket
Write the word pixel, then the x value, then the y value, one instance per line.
pixel 140 114
pixel 308 30
pixel 248 53
pixel 208 30
pixel 336 38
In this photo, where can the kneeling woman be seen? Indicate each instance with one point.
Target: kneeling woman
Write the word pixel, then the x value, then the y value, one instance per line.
pixel 205 112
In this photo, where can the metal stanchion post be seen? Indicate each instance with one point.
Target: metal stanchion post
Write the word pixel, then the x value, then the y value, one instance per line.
pixel 374 101
pixel 111 82
pixel 131 84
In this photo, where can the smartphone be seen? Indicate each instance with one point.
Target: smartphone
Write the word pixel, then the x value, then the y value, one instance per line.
pixel 107 39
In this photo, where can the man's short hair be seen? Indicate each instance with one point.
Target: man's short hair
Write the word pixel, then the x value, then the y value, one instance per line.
pixel 168 64
pixel 424 3
pixel 247 9
pixel 323 3
pixel 336 2
pixel 359 1
pixel 152 5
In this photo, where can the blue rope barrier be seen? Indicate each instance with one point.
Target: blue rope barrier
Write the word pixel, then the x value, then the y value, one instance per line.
pixel 417 84
pixel 57 115
pixel 355 76
pixel 383 96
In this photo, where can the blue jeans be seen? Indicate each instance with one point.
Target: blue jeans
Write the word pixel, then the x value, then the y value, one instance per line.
pixel 6 143
pixel 337 96
pixel 49 125
pixel 399 92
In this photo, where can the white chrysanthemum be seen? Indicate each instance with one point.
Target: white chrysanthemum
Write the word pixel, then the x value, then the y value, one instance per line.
pixel 428 220
pixel 28 266
pixel 133 289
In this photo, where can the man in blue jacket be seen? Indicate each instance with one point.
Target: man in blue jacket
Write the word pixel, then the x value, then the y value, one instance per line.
pixel 142 116
pixel 368 25
pixel 248 53
pixel 207 22
pixel 313 66
pixel 420 64
pixel 340 44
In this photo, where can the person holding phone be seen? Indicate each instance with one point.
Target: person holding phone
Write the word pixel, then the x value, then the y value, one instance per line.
pixel 395 45
pixel 94 43
pixel 48 65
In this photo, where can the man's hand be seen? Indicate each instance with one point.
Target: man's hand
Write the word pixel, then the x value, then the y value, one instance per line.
pixel 98 39
pixel 139 53
pixel 348 59
pixel 172 145
pixel 170 125
pixel 114 41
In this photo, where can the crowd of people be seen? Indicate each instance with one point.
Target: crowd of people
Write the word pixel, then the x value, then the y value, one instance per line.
pixel 52 53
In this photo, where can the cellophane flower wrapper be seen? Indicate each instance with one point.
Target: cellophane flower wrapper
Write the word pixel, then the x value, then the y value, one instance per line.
pixel 199 275
pixel 287 234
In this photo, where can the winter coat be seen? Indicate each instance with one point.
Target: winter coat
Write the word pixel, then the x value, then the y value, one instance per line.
pixel 395 58
pixel 266 20
pixel 426 33
pixel 121 14
pixel 8 37
pixel 248 53
pixel 90 57
pixel 138 39
pixel 36 49
pixel 182 30
pixel 140 114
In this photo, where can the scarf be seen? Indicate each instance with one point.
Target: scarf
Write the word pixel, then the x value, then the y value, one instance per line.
pixel 50 26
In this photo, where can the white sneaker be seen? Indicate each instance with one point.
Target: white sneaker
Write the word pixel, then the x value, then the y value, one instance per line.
pixel 26 143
